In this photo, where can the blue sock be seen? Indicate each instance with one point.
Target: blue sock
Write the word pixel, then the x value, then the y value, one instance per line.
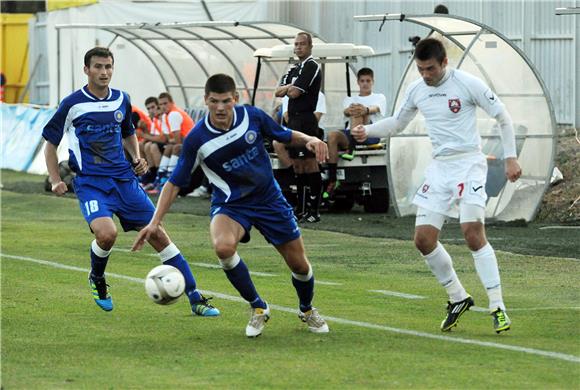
pixel 98 260
pixel 178 261
pixel 305 291
pixel 239 277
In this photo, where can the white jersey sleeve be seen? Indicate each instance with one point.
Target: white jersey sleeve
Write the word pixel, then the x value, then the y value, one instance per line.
pixel 321 103
pixel 174 120
pixel 164 127
pixel 483 96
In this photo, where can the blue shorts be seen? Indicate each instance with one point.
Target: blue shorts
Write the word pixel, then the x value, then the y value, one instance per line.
pixel 104 196
pixel 274 219
pixel 352 141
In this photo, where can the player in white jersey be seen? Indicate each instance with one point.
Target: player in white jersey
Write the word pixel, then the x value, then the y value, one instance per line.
pixel 455 180
pixel 228 145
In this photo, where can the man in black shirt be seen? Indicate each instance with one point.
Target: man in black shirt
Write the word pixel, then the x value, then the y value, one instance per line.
pixel 302 84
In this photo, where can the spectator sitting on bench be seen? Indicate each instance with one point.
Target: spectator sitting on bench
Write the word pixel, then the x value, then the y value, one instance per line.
pixel 367 107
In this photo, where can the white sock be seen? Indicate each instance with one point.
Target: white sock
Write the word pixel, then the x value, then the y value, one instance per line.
pixel 441 265
pixel 172 163
pixel 163 164
pixel 488 271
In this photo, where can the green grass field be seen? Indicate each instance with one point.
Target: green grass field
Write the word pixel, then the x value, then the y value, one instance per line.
pixel 54 336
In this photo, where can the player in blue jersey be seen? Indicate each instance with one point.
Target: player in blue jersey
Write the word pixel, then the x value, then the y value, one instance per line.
pixel 97 121
pixel 228 145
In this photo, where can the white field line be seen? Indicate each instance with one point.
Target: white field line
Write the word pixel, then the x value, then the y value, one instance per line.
pixel 398 294
pixel 216 266
pixel 327 283
pixel 559 227
pixel 463 239
pixel 202 265
pixel 306 245
pixel 514 348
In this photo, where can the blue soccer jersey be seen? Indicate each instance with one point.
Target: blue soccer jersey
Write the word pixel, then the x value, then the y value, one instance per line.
pixel 235 161
pixel 95 129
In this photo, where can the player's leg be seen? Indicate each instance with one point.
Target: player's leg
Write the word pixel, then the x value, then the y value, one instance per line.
pixel 314 181
pixel 337 140
pixel 428 224
pixel 162 175
pixel 301 183
pixel 225 234
pixel 473 228
pixel 169 254
pixel 303 281
pixel 175 152
pixel 105 233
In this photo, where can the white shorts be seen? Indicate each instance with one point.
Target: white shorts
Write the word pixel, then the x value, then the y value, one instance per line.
pixel 449 183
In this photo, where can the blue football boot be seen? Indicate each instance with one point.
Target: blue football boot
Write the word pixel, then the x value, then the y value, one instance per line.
pixel 100 294
pixel 204 309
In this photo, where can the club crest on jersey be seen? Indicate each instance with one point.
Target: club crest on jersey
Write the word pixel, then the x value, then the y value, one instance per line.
pixel 250 136
pixel 118 116
pixel 454 105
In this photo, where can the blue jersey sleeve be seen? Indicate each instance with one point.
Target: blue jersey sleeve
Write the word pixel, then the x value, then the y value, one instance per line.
pixel 54 129
pixel 127 128
pixel 271 129
pixel 187 160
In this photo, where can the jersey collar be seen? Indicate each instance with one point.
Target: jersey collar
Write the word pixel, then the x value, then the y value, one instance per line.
pixel 88 94
pixel 220 131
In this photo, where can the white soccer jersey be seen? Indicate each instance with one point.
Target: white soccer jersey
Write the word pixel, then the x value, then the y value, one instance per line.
pixel 174 120
pixel 374 99
pixel 449 111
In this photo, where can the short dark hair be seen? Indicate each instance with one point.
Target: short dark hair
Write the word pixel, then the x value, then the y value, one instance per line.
pixel 98 52
pixel 220 83
pixel 365 72
pixel 430 48
pixel 441 9
pixel 307 35
pixel 166 95
pixel 151 99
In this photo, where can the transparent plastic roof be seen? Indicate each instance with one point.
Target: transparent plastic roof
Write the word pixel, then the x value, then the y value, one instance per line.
pixel 485 53
pixel 184 55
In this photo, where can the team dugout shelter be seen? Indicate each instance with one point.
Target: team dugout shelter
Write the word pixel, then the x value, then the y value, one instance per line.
pixel 178 58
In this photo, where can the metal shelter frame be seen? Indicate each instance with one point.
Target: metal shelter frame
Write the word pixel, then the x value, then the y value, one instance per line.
pixel 148 38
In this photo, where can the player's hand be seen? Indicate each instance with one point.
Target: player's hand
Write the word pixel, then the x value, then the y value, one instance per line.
pixel 319 148
pixel 140 166
pixel 143 236
pixel 513 171
pixel 357 109
pixel 59 188
pixel 359 133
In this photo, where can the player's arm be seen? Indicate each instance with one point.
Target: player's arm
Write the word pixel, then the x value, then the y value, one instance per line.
pixel 513 170
pixel 388 126
pixel 50 156
pixel 271 129
pixel 313 144
pixel 131 145
pixel 166 199
pixel 485 98
pixel 282 90
pixel 52 133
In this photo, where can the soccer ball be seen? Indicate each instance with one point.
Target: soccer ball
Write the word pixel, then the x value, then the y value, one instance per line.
pixel 164 284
